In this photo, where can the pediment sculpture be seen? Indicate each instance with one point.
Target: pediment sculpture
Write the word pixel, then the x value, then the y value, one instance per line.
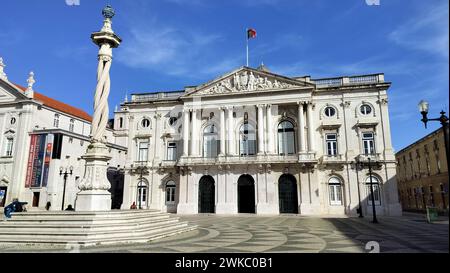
pixel 245 81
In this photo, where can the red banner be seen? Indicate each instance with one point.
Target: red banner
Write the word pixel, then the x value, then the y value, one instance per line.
pixel 30 161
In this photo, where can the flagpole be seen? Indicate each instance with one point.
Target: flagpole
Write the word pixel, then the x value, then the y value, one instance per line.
pixel 246 33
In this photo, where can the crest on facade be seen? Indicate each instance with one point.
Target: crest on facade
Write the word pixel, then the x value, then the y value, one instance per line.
pixel 247 79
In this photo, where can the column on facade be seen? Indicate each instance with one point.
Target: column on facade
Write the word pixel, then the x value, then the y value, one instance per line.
pixel 311 144
pixel 260 130
pixel 301 128
pixel 230 131
pixel 269 132
pixel 186 126
pixel 222 131
pixel 194 132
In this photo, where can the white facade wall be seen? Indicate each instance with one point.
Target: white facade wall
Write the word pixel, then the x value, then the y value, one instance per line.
pixel 311 168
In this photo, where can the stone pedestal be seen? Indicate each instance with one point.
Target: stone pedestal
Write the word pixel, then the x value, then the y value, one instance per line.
pixel 94 195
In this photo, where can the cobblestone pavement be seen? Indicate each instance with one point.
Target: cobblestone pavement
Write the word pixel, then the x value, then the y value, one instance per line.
pixel 289 234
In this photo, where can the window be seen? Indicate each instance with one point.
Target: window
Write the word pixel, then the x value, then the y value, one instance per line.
pixel 170 192
pixel 365 109
pixel 9 146
pixel 247 140
pixel 56 121
pixel 210 141
pixel 172 121
pixel 330 112
pixel 71 125
pixel 143 151
pixel 171 151
pixel 335 188
pixel 331 142
pixel 142 194
pixel 368 143
pixel 286 138
pixel 432 201
pixel 145 123
pixel 13 120
pixel 120 122
pixel 376 191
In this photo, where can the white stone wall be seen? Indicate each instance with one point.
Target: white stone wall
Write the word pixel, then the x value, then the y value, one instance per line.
pixel 311 167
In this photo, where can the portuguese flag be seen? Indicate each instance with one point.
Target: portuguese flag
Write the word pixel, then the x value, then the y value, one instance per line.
pixel 251 33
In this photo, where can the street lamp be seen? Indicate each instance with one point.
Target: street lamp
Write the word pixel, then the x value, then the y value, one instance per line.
pixel 63 171
pixel 374 220
pixel 369 163
pixel 443 119
pixel 357 167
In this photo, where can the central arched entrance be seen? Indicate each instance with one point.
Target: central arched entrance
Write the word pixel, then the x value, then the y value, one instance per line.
pixel 206 195
pixel 287 194
pixel 246 194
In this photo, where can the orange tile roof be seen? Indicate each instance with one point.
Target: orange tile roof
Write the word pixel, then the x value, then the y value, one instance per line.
pixel 60 106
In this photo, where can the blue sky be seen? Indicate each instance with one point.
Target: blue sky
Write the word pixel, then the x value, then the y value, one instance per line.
pixel 169 44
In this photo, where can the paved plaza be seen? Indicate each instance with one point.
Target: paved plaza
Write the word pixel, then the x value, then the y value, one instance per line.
pixel 288 234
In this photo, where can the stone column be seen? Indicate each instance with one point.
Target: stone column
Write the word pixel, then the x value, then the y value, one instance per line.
pixel 231 150
pixel 311 146
pixel 260 130
pixel 301 128
pixel 186 126
pixel 94 194
pixel 222 131
pixel 194 133
pixel 269 132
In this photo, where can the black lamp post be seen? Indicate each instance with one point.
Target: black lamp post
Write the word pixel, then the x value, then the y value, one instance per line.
pixel 443 119
pixel 63 171
pixel 360 165
pixel 374 211
pixel 357 167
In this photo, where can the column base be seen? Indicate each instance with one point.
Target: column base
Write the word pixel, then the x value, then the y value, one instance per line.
pixel 226 208
pixel 187 208
pixel 94 200
pixel 267 208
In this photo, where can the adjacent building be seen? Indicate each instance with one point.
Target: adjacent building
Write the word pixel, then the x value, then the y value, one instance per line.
pixel 422 174
pixel 252 141
pixel 41 138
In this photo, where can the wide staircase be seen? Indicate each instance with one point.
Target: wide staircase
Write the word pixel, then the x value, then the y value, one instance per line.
pixel 89 228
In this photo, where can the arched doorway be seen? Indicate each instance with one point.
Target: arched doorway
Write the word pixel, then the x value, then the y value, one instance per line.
pixel 287 194
pixel 246 194
pixel 206 195
pixel 142 194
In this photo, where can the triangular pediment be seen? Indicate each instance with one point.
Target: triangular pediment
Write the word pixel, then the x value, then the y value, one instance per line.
pixel 9 92
pixel 247 80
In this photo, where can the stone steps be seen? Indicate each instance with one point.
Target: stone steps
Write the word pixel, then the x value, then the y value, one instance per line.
pixel 62 228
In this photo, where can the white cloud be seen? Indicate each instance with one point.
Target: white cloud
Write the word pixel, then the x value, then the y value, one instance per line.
pixel 427 32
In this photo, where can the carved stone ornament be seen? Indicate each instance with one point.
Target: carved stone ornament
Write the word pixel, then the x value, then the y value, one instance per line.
pixel 246 81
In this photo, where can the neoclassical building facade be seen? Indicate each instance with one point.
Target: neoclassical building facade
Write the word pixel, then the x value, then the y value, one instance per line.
pixel 252 141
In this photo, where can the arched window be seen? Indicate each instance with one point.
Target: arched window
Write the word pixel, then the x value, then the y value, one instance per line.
pixel 145 123
pixel 286 138
pixel 210 141
pixel 142 197
pixel 247 140
pixel 365 109
pixel 330 111
pixel 170 192
pixel 376 191
pixel 335 188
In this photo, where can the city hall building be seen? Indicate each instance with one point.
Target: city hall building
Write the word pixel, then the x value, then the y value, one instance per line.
pixel 252 141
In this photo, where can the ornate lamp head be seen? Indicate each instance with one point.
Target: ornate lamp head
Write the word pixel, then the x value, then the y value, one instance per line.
pixel 108 12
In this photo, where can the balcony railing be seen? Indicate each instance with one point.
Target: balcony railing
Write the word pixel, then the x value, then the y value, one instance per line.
pixel 155 96
pixel 341 81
